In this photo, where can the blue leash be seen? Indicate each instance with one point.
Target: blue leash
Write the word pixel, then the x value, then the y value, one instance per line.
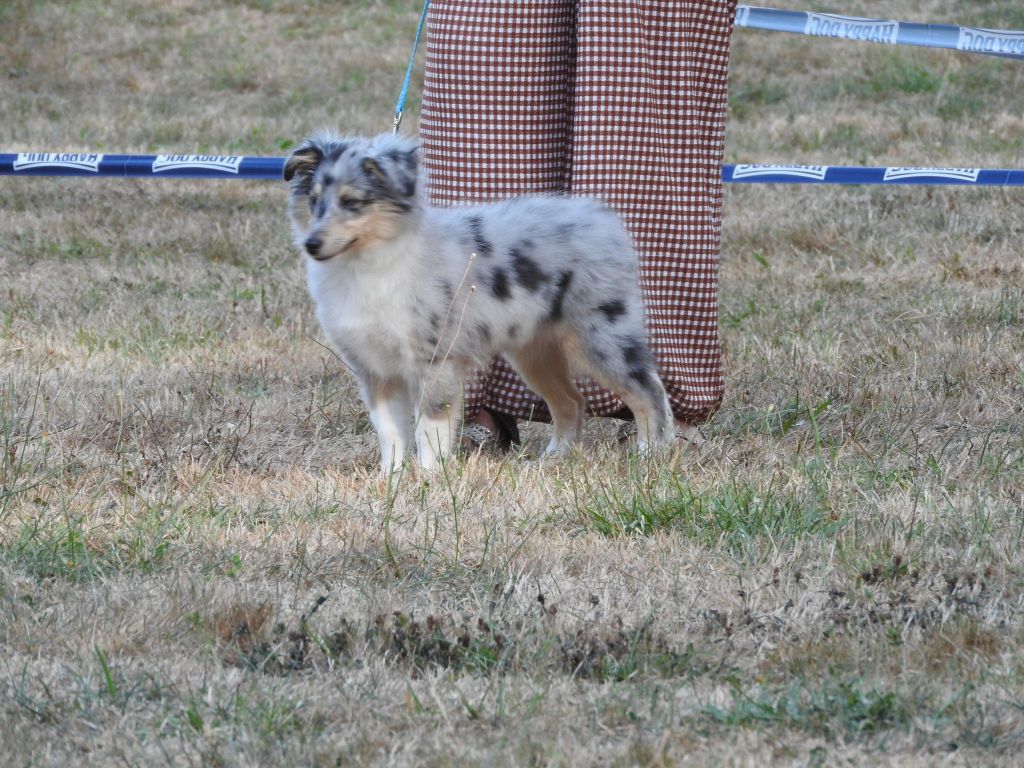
pixel 400 104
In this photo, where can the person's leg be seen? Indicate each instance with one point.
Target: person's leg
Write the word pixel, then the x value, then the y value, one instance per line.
pixel 495 123
pixel 648 136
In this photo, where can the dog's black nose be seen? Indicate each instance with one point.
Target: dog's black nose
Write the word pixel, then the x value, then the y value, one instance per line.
pixel 313 245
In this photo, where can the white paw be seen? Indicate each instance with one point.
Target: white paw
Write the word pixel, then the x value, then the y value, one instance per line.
pixel 429 462
pixel 558 448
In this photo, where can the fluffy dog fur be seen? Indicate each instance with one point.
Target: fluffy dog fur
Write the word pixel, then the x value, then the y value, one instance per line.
pixel 414 298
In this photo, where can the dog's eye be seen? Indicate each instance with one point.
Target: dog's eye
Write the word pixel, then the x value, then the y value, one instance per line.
pixel 350 203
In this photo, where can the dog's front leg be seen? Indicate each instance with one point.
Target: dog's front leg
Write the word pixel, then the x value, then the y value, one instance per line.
pixel 390 404
pixel 438 413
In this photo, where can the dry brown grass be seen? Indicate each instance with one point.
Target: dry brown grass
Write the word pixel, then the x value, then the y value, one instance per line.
pixel 199 565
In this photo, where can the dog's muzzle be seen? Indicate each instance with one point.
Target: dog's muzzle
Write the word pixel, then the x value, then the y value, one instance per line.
pixel 315 247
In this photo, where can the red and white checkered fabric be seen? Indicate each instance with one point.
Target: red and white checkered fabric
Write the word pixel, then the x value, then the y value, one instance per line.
pixel 621 101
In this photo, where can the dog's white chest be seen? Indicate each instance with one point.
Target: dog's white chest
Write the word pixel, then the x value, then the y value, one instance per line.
pixel 363 318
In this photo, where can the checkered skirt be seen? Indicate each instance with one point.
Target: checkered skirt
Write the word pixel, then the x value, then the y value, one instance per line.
pixel 621 101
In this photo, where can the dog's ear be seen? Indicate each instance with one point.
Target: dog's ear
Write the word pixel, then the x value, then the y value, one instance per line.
pixel 304 160
pixel 373 168
pixel 394 168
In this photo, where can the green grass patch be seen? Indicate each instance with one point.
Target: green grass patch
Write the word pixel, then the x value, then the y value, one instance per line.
pixel 831 708
pixel 68 547
pixel 734 516
pixel 787 414
pixel 902 71
pixel 151 336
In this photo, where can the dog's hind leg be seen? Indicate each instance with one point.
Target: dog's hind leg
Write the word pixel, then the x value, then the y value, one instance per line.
pixel 389 402
pixel 545 369
pixel 438 413
pixel 623 363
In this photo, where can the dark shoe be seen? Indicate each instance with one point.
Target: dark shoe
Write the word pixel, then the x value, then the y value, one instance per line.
pixel 501 439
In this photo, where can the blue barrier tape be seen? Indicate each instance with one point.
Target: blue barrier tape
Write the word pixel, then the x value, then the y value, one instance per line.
pixel 154 166
pixel 994 42
pixel 239 167
pixel 838 174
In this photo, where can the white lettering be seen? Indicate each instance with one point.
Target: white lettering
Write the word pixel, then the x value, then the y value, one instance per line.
pixel 83 161
pixel 958 174
pixel 799 171
pixel 229 163
pixel 990 41
pixel 851 28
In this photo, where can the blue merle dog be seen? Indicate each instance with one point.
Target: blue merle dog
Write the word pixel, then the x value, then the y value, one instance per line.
pixel 415 298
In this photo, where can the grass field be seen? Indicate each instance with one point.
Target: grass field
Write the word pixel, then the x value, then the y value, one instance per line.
pixel 200 566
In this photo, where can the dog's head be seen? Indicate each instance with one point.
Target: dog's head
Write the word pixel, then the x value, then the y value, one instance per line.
pixel 351 193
